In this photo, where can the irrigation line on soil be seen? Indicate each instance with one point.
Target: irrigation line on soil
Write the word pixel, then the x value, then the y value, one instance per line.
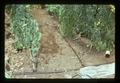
pixel 75 53
pixel 72 49
pixel 43 72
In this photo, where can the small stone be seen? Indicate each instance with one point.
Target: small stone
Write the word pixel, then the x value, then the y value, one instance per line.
pixel 68 76
pixel 14 51
pixel 43 68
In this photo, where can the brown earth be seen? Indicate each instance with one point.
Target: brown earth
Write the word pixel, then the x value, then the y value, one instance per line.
pixel 58 56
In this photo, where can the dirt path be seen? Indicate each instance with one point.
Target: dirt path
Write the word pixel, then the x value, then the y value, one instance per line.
pixel 58 54
pixel 55 50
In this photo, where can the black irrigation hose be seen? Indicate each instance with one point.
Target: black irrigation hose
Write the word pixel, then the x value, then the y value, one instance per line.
pixel 34 73
pixel 43 72
pixel 73 50
pixel 75 53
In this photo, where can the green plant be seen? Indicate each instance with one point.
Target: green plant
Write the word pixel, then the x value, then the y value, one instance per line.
pixel 53 8
pixel 67 20
pixel 25 29
pixel 95 22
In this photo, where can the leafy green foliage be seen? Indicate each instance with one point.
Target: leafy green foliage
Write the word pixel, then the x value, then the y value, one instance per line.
pixel 25 29
pixel 96 22
pixel 67 20
pixel 53 8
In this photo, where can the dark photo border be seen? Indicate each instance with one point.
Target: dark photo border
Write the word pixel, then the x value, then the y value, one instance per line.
pixel 117 37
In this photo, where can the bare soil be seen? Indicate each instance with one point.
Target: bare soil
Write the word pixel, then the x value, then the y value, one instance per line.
pixel 58 57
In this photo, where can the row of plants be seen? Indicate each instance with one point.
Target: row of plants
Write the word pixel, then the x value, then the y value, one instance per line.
pixel 95 22
pixel 25 29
